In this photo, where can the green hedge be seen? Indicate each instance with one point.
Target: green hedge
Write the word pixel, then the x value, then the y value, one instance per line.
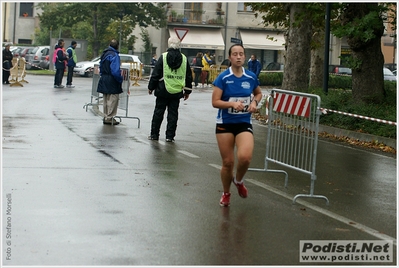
pixel 334 81
pixel 271 78
pixel 339 98
pixel 276 79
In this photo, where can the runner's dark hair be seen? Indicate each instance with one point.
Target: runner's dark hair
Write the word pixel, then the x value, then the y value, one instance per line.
pixel 235 46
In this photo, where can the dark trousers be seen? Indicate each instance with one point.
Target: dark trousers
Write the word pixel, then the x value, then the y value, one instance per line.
pixel 205 77
pixel 6 76
pixel 197 76
pixel 157 118
pixel 70 75
pixel 59 74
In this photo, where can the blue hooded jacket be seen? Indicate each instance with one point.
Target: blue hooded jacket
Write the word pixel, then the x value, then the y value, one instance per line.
pixel 110 72
pixel 255 67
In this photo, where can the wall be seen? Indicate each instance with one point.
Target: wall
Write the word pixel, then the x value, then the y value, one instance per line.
pixel 16 27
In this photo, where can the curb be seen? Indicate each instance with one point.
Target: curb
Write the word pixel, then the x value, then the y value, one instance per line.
pixel 357 135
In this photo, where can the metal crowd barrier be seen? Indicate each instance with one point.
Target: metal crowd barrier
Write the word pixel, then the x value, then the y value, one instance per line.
pixel 136 70
pixel 95 96
pixel 124 97
pixel 18 71
pixel 292 136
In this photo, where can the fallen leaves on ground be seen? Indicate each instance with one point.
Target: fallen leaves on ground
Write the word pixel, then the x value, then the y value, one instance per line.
pixel 367 144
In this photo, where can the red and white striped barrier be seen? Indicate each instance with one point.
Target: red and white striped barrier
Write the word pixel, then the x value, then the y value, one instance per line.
pixel 291 104
pixel 286 106
pixel 324 110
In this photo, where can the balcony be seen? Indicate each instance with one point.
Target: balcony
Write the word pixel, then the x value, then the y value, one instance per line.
pixel 196 17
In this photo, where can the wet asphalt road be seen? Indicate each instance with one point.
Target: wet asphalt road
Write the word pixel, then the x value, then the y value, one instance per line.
pixel 77 192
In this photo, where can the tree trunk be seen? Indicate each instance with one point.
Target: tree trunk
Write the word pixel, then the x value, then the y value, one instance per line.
pixel 96 43
pixel 317 60
pixel 297 62
pixel 367 76
pixel 368 80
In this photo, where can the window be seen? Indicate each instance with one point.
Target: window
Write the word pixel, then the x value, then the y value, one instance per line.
pixel 26 9
pixel 126 59
pixel 243 7
pixel 25 41
pixel 193 11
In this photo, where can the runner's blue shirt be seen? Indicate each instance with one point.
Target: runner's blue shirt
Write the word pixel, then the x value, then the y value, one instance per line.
pixel 236 89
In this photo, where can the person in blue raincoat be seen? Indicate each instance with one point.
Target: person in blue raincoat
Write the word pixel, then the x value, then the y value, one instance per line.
pixel 110 84
pixel 254 65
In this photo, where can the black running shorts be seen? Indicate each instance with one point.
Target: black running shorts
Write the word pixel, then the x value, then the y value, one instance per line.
pixel 233 128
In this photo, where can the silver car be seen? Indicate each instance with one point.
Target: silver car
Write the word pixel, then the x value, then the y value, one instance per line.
pixel 389 75
pixel 35 57
pixel 85 68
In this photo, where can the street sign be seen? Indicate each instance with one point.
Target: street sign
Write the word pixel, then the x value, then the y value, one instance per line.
pixel 181 33
pixel 235 40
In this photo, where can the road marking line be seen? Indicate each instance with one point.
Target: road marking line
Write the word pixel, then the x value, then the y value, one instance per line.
pixel 318 209
pixel 215 166
pixel 325 212
pixel 188 154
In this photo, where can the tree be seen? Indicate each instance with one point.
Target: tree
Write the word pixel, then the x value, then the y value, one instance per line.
pixel 297 57
pixel 100 16
pixel 303 25
pixel 363 25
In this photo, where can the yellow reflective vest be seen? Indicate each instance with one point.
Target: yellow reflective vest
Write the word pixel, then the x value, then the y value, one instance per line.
pixel 174 80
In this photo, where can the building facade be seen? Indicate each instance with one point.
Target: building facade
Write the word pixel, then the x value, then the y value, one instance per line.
pixel 214 27
pixel 19 21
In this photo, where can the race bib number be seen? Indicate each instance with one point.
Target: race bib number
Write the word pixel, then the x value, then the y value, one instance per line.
pixel 246 101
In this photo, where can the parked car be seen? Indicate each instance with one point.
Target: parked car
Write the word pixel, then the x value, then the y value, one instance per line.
pixel 390 66
pixel 275 66
pixel 45 62
pixel 33 59
pixel 85 68
pixel 388 75
pixel 12 48
pixel 339 69
pixel 22 51
pixel 15 51
pixel 126 59
pixel 225 62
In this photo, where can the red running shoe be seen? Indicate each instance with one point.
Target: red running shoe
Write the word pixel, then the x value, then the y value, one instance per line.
pixel 242 190
pixel 225 200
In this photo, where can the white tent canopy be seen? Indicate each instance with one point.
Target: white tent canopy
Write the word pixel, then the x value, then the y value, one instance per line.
pixel 262 40
pixel 209 39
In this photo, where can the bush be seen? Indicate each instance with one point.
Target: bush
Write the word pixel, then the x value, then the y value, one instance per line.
pixel 271 78
pixel 276 79
pixel 340 81
pixel 341 100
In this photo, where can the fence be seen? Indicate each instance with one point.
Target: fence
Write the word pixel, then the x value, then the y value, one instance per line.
pixel 128 74
pixel 95 96
pixel 292 135
pixel 17 71
pixel 124 96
